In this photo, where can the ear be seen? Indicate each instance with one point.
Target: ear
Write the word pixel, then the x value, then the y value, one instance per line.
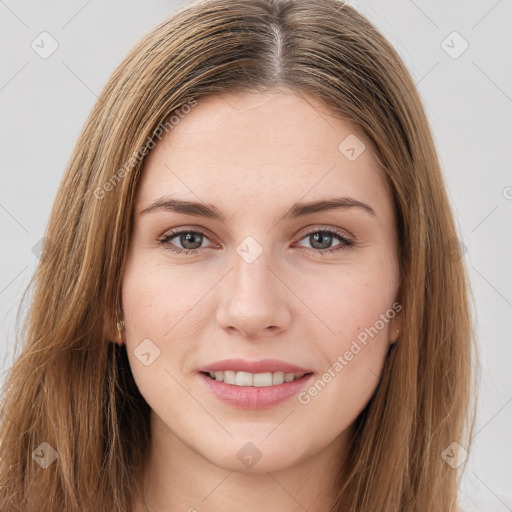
pixel 110 330
pixel 396 328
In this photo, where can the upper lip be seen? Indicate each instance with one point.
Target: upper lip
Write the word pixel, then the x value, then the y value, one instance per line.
pixel 262 366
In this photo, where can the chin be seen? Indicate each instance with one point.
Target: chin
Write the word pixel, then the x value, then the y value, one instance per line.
pixel 256 456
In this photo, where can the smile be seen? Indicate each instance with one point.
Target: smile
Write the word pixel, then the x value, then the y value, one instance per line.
pixel 254 379
pixel 243 390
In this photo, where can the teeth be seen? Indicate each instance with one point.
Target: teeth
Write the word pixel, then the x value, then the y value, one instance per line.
pixel 244 379
pixel 278 377
pixel 254 379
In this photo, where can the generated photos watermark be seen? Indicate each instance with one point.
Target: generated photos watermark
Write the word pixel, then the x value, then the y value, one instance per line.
pixel 344 359
pixel 135 159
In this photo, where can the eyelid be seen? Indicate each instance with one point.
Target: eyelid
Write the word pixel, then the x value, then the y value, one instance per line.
pixel 324 227
pixel 186 228
pixel 305 231
pixel 346 240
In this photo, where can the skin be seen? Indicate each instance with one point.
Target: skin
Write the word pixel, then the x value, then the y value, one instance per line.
pixel 253 155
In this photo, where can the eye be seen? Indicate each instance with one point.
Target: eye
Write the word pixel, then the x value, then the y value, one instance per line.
pixel 321 241
pixel 191 241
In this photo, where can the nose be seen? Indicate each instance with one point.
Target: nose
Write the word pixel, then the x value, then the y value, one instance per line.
pixel 254 299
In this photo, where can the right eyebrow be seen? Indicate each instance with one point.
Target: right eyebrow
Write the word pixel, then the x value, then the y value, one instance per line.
pixel 186 207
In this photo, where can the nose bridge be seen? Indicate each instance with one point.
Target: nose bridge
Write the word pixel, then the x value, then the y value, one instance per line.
pixel 252 278
pixel 254 299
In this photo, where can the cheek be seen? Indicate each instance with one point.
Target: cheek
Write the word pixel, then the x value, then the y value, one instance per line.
pixel 160 302
pixel 349 301
pixel 356 309
pixel 161 321
pixel 165 305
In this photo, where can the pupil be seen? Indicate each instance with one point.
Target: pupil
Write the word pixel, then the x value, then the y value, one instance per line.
pixel 188 238
pixel 320 236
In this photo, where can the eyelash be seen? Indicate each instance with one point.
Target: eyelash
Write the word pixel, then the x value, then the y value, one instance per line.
pixel 346 242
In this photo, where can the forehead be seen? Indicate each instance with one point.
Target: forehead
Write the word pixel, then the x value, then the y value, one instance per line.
pixel 257 147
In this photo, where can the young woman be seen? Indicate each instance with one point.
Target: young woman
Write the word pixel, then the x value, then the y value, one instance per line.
pixel 251 295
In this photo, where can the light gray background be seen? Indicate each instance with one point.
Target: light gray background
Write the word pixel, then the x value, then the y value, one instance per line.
pixel 468 100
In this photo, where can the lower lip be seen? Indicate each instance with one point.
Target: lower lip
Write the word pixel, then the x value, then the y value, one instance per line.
pixel 250 397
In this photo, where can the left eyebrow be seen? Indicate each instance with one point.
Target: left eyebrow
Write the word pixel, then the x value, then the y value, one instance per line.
pixel 298 209
pixel 302 209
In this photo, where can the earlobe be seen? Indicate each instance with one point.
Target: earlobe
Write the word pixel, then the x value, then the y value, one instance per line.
pixel 119 334
pixel 395 329
pixel 112 329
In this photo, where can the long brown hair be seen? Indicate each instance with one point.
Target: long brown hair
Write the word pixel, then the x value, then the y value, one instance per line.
pixel 73 389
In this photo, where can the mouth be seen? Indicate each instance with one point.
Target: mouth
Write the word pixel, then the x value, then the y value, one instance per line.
pixel 257 380
pixel 244 390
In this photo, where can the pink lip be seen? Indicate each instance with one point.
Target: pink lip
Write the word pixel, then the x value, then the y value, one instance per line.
pixel 248 397
pixel 263 366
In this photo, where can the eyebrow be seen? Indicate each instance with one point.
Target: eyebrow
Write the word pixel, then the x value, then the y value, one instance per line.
pixel 298 209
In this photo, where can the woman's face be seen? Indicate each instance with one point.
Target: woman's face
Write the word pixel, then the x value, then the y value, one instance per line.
pixel 271 274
